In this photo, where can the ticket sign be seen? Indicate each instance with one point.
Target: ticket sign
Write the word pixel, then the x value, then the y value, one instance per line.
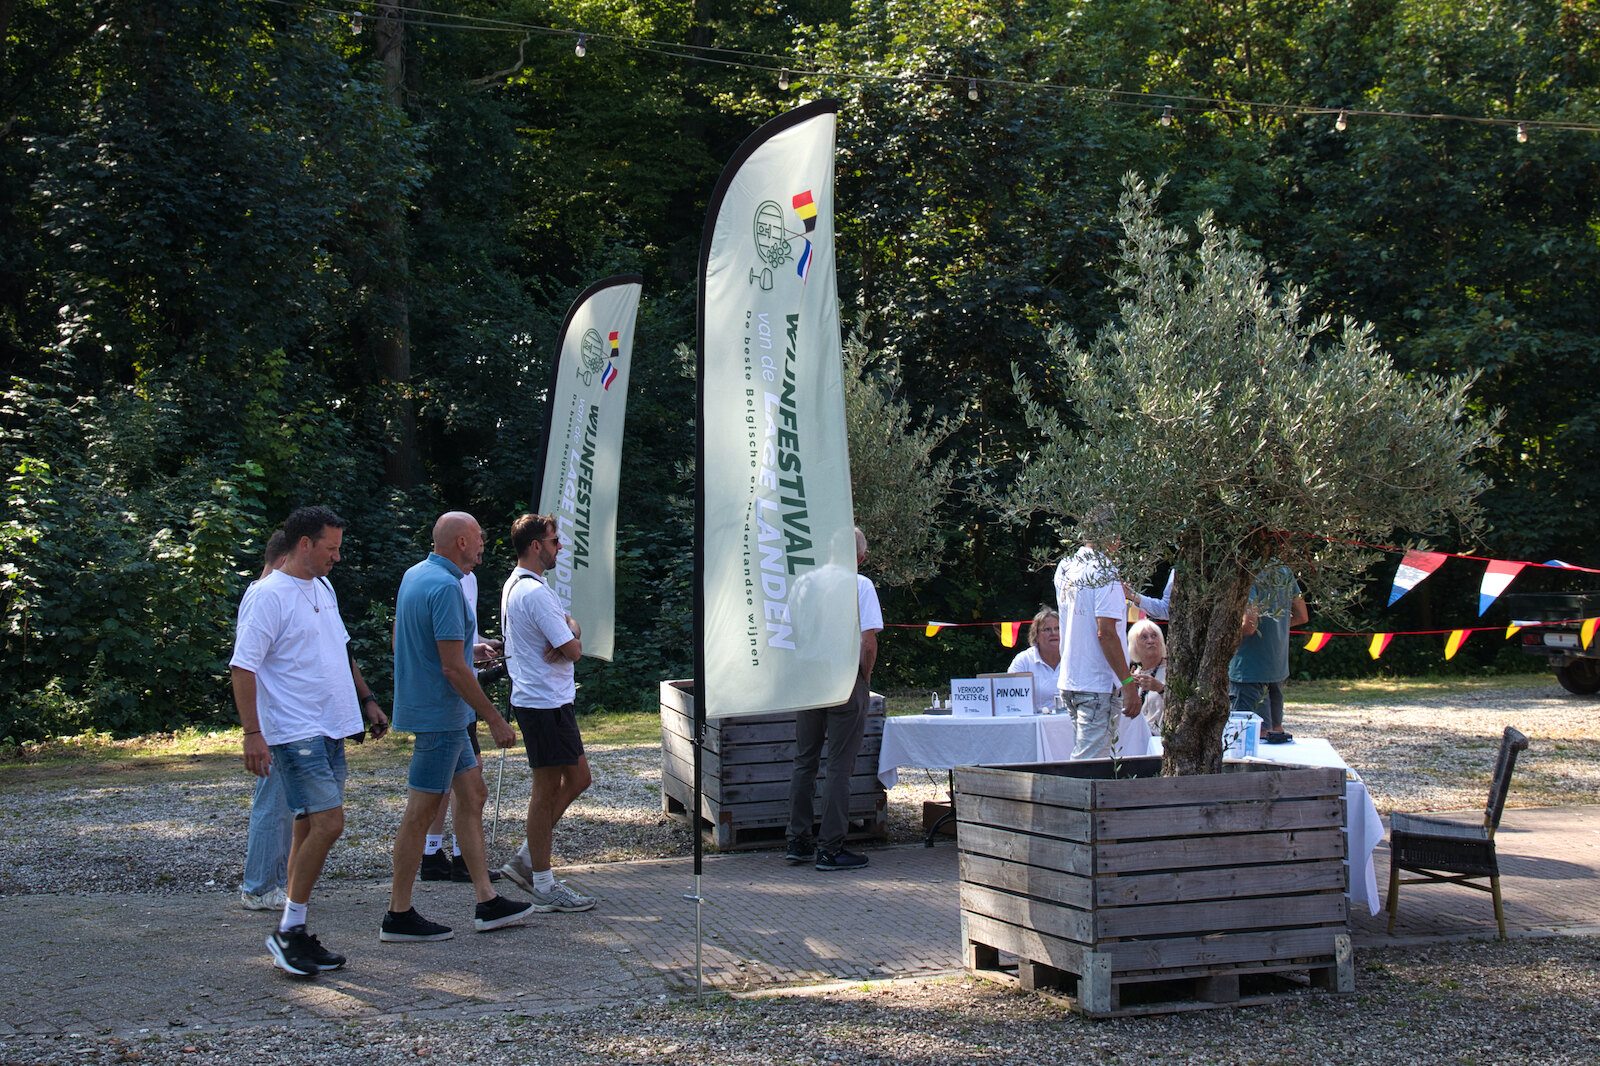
pixel 972 697
pixel 1013 695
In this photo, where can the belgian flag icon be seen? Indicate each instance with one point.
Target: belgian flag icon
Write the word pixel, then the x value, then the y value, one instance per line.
pixel 806 209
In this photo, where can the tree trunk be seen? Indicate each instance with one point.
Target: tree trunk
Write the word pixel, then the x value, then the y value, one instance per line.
pixel 394 340
pixel 1201 640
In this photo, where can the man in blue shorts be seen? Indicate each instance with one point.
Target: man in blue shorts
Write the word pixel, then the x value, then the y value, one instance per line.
pixel 295 688
pixel 541 646
pixel 435 696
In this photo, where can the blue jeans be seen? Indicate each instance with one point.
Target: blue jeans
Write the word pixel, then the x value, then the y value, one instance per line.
pixel 1092 720
pixel 313 774
pixel 266 855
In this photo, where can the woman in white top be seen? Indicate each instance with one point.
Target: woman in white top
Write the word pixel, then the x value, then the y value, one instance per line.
pixel 1042 657
pixel 1147 655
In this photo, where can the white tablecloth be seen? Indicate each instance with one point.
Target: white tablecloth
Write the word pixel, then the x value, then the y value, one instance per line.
pixel 941 741
pixel 1362 827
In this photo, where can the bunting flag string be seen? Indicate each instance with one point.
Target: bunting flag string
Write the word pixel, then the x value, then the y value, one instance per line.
pixel 1458 637
pixel 1008 633
pixel 1588 631
pixel 1318 641
pixel 1380 643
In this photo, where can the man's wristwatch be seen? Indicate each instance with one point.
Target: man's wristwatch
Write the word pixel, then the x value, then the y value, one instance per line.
pixel 368 698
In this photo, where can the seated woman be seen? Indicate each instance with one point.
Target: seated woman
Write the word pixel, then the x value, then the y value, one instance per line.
pixel 1147 655
pixel 1042 657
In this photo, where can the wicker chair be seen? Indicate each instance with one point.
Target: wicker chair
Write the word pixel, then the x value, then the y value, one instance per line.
pixel 1444 852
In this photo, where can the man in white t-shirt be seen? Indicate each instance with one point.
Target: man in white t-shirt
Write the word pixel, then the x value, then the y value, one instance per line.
pixel 295 688
pixel 841 727
pixel 1094 677
pixel 542 644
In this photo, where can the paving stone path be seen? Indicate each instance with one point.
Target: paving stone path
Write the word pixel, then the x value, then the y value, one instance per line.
pixel 117 963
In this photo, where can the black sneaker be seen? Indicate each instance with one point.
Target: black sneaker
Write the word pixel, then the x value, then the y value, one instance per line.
pixel 840 860
pixel 436 866
pixel 500 912
pixel 800 851
pixel 294 952
pixel 411 926
pixel 321 956
pixel 458 870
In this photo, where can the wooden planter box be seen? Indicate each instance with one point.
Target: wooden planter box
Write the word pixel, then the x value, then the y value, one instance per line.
pixel 1148 894
pixel 745 770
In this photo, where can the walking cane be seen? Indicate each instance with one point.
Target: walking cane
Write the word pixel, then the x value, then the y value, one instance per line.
pixel 499 779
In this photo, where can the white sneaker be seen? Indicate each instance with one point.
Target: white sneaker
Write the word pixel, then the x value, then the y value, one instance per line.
pixel 518 873
pixel 267 901
pixel 561 898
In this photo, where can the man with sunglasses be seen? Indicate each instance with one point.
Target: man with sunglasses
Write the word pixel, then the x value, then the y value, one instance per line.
pixel 542 644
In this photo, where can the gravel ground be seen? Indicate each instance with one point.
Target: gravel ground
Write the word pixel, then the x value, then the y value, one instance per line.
pixel 181 827
pixel 1529 1001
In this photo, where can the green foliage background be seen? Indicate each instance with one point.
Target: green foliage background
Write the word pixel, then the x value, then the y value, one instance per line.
pixel 211 216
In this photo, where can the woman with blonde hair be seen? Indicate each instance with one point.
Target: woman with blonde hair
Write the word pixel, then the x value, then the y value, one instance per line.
pixel 1042 657
pixel 1147 654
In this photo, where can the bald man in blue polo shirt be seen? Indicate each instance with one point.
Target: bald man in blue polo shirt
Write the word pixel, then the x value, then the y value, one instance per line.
pixel 436 693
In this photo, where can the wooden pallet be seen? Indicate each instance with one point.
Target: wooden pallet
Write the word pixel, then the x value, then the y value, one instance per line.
pixel 745 769
pixel 1147 894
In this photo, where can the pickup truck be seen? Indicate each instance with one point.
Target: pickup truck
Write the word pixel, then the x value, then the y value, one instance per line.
pixel 1557 634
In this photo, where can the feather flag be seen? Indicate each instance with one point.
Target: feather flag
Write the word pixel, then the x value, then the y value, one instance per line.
pixel 1008 633
pixel 1380 641
pixel 1588 631
pixel 1414 568
pixel 1318 641
pixel 1458 637
pixel 1495 580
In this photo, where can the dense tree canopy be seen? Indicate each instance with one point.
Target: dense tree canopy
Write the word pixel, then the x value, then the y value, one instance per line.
pixel 266 253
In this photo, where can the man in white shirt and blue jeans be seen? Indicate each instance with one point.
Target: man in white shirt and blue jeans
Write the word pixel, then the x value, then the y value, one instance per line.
pixel 1095 681
pixel 296 693
pixel 541 645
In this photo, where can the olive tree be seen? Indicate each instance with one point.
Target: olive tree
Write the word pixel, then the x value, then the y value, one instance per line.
pixel 1230 433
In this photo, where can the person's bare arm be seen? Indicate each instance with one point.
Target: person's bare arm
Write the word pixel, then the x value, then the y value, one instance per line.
pixel 465 682
pixel 369 708
pixel 1111 647
pixel 1298 615
pixel 257 759
pixel 869 653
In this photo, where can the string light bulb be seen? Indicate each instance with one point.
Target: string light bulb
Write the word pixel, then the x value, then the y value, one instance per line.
pixel 972 88
pixel 783 79
pixel 1522 133
pixel 355 25
pixel 1166 115
pixel 1342 121
pixel 581 49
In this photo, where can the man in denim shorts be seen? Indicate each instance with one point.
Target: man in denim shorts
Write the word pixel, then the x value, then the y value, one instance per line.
pixel 541 646
pixel 294 684
pixel 436 693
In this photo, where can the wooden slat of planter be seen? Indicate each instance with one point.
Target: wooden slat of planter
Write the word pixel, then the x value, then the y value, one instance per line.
pixel 762 791
pixel 1029 848
pixel 1202 953
pixel 1026 880
pixel 679 751
pixel 1045 917
pixel 1226 883
pixel 1243 850
pixel 1023 943
pixel 1213 916
pixel 1235 785
pixel 1036 788
pixel 1250 817
pixel 1060 822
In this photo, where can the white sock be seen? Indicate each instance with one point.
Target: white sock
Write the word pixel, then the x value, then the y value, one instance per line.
pixel 435 842
pixel 293 914
pixel 544 880
pixel 455 845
